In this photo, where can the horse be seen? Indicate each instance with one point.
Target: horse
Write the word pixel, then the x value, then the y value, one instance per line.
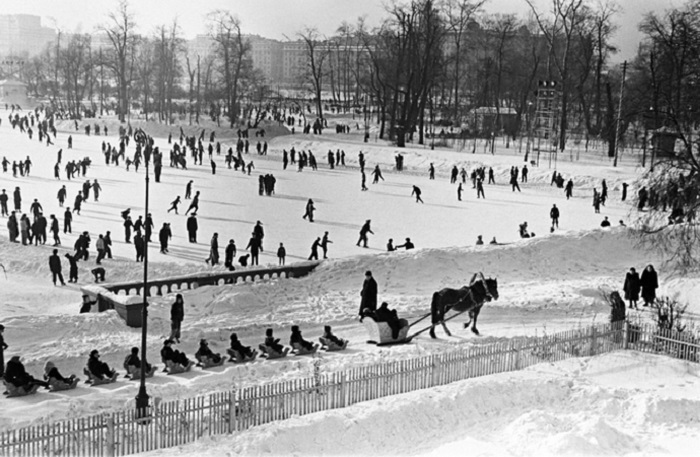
pixel 468 298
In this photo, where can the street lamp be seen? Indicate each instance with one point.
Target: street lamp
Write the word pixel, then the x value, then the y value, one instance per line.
pixel 142 407
pixel 432 122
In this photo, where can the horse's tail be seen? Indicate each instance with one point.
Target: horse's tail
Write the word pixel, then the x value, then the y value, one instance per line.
pixel 435 311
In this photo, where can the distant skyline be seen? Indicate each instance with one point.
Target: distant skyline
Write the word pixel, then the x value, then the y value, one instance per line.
pixel 281 19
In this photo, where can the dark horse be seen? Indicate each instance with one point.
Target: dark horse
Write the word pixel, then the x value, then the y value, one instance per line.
pixel 468 298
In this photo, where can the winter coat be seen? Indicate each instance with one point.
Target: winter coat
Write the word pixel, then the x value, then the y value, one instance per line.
pixel 649 283
pixel 369 295
pixel 55 263
pixel 632 286
pixel 177 312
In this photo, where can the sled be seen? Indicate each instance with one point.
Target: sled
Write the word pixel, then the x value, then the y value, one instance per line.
pixel 298 349
pixel 206 362
pixel 270 353
pixel 176 368
pixel 135 372
pixel 14 391
pixel 236 356
pixel 95 381
pixel 380 332
pixel 330 346
pixel 56 386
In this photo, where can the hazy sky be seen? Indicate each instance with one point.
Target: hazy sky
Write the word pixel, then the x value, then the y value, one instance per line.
pixel 280 18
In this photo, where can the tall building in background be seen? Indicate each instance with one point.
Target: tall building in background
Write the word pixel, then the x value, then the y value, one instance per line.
pixel 23 34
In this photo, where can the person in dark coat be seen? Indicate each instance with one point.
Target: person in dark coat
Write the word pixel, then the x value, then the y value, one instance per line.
pixel 164 236
pixel 213 250
pixel 192 227
pixel 272 342
pixel 169 354
pixel 363 233
pixel 237 346
pixel 649 283
pixel 73 272
pixel 554 214
pixel 51 373
pixel 16 375
pixel 632 287
pixel 368 294
pixel 177 315
pixel 205 351
pixel 296 338
pixel 98 368
pixel 310 208
pixel 314 249
pixel 384 314
pixel 133 360
pixel 55 267
pixel 230 254
pixel 255 246
pixel 3 346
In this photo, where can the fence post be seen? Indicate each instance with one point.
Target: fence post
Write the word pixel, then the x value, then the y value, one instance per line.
pixel 109 435
pixel 626 335
pixel 231 411
pixel 593 340
pixel 343 390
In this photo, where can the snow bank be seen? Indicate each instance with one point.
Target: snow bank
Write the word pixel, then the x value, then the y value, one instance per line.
pixel 565 408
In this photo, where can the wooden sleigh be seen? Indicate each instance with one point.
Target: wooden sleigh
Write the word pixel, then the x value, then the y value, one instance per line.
pixel 208 362
pixel 56 385
pixel 95 381
pixel 380 332
pixel 14 391
pixel 175 368
pixel 269 353
pixel 237 357
pixel 298 349
pixel 135 372
pixel 330 346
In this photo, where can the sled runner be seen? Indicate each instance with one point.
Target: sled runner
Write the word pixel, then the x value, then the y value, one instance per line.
pixel 298 349
pixel 95 381
pixel 330 346
pixel 236 356
pixel 14 391
pixel 271 353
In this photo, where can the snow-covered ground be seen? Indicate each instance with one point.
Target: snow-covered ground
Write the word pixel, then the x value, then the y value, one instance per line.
pixel 546 284
pixel 622 404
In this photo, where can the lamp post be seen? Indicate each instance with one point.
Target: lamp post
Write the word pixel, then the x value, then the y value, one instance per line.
pixel 142 408
pixel 432 122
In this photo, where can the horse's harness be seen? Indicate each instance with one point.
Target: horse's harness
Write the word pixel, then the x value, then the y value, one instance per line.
pixel 470 294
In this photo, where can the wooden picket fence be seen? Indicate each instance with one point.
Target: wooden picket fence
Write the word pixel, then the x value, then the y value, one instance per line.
pixel 184 421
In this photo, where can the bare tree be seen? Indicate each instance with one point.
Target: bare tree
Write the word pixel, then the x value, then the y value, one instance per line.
pixel 232 51
pixel 313 71
pixel 120 32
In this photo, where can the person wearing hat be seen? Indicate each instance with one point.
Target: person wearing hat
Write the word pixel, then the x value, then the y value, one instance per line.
pixel 297 339
pixel 272 342
pixel 172 355
pixel 238 347
pixel 368 294
pixel 205 351
pixel 329 336
pixel 16 375
pixel 98 368
pixel 3 346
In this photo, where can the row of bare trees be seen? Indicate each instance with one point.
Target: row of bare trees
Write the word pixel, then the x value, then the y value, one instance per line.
pixel 452 56
pixel 119 68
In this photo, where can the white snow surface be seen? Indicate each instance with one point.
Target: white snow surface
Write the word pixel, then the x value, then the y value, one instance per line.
pixel 549 283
